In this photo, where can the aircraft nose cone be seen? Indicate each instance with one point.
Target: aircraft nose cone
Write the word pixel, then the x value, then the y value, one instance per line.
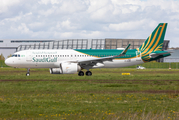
pixel 8 62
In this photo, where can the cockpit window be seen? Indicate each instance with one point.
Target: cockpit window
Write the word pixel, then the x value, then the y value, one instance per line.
pixel 16 55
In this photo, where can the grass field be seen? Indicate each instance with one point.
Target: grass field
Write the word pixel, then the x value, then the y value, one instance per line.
pixel 145 94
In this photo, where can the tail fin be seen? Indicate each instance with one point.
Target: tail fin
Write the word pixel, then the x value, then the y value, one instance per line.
pixel 154 42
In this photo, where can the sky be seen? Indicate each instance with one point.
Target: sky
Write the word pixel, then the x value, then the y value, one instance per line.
pixel 88 19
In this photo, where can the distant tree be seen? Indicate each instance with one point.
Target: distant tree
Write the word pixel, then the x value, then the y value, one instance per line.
pixel 2 57
pixel 9 56
pixel 174 48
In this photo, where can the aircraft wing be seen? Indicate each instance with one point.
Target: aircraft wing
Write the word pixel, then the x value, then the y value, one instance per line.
pixel 93 61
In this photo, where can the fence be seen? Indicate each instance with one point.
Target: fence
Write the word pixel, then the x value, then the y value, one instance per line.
pixel 157 65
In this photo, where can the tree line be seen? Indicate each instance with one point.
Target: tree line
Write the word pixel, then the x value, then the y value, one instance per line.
pixel 2 56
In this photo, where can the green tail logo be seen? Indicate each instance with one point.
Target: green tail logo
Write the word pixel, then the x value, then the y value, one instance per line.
pixel 153 43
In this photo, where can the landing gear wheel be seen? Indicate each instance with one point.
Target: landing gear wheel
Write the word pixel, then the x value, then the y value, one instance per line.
pixel 27 74
pixel 81 73
pixel 88 73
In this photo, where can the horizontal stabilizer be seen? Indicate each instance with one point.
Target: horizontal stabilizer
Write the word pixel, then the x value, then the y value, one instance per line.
pixel 160 53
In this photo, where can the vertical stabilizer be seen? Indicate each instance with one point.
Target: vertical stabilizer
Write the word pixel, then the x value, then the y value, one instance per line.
pixel 154 42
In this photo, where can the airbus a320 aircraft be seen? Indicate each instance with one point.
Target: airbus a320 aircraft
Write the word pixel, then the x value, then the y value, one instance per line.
pixel 73 61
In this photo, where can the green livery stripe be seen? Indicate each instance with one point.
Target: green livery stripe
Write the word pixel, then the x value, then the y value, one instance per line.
pixel 108 52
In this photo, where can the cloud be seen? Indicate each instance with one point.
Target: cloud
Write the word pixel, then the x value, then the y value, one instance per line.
pixel 5 4
pixel 125 26
pixel 63 19
pixel 48 2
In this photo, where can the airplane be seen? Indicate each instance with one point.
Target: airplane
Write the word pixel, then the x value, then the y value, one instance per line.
pixel 70 61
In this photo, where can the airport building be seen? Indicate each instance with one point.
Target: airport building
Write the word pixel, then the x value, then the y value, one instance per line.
pixel 8 47
pixel 174 56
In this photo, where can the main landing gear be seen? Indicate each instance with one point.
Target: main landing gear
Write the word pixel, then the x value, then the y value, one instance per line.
pixel 28 72
pixel 88 73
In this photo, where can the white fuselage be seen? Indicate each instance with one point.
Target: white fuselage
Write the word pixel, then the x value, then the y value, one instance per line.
pixel 53 58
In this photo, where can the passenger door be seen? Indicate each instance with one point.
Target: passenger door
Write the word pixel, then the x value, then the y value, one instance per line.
pixel 28 56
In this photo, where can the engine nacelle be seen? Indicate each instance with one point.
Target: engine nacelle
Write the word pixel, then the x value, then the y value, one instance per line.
pixel 56 71
pixel 66 68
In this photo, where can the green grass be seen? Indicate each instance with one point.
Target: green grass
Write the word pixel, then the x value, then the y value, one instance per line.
pixel 2 64
pixel 145 94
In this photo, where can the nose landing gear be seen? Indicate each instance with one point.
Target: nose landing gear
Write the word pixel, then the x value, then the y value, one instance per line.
pixel 28 72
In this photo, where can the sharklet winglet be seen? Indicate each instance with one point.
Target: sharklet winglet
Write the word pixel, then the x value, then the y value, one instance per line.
pixel 124 51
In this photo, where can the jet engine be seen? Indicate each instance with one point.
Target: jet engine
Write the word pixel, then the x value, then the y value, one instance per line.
pixel 66 68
